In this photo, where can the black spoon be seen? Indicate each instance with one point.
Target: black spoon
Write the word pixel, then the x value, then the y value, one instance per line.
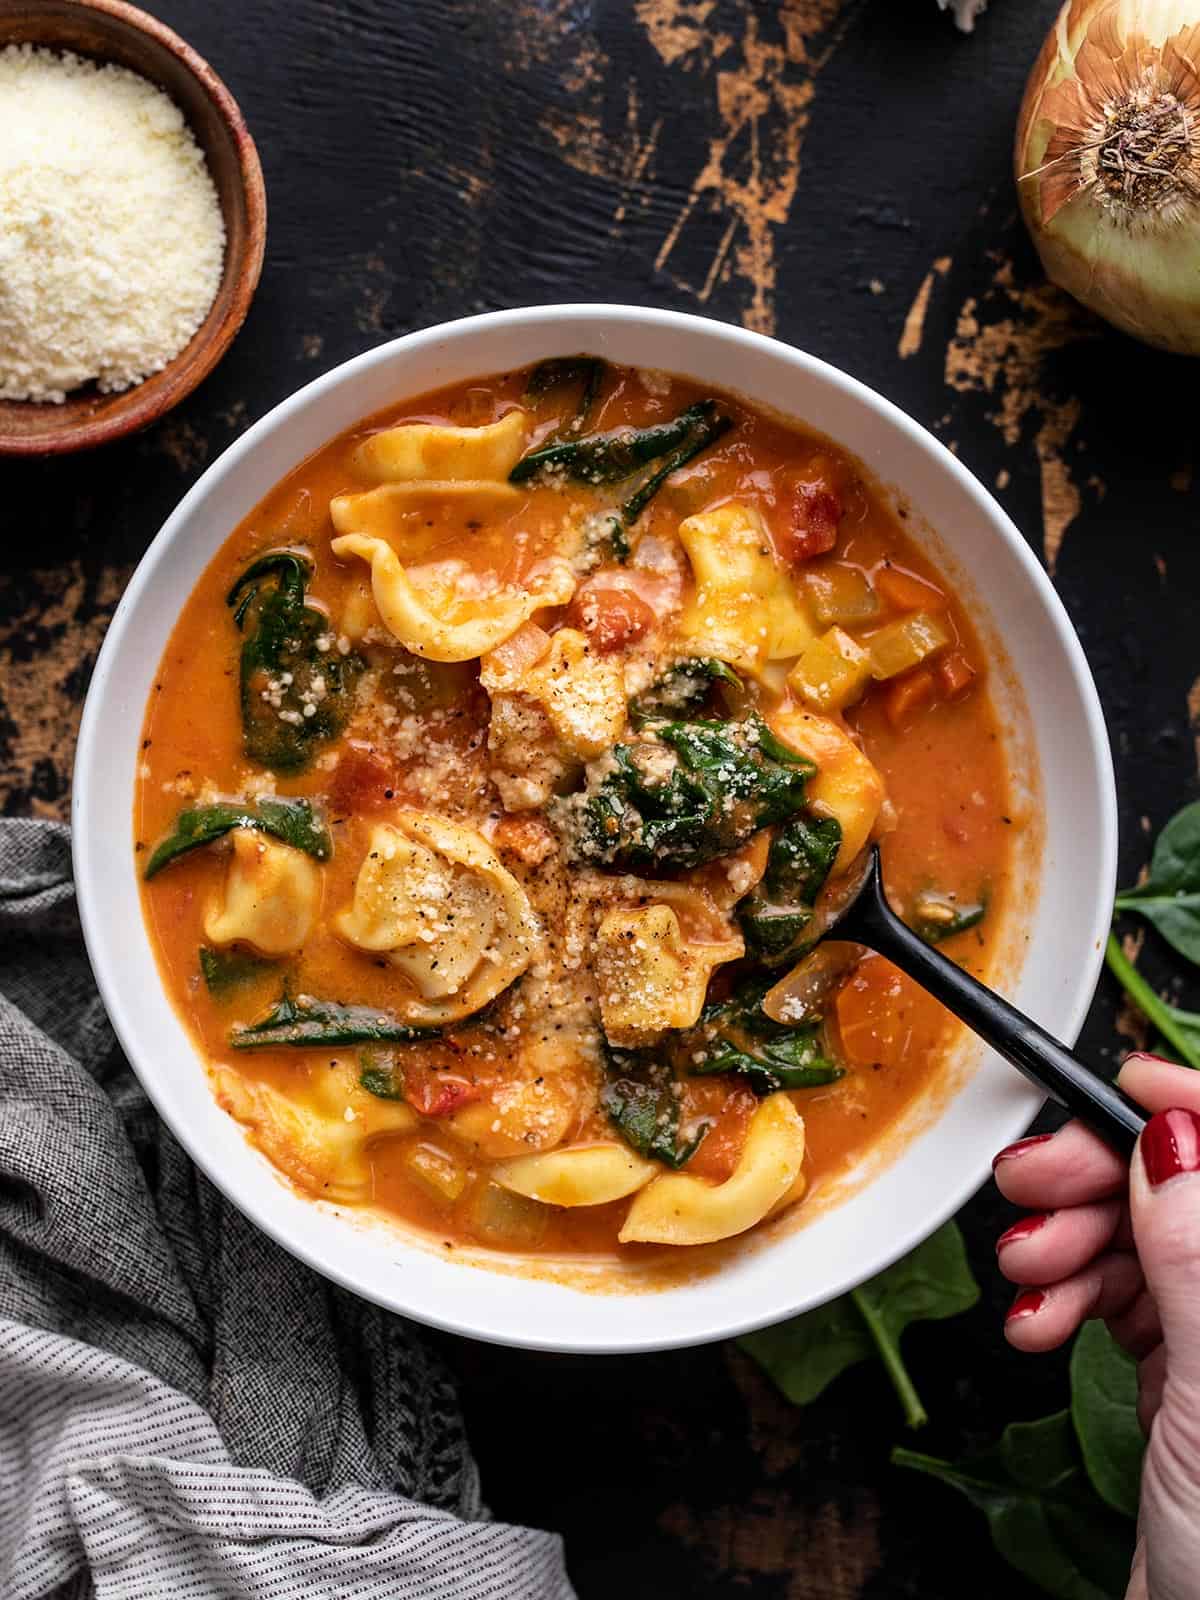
pixel 866 918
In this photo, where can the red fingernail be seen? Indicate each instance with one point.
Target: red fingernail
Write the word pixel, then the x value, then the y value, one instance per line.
pixel 1171 1145
pixel 1019 1149
pixel 1022 1229
pixel 1148 1055
pixel 1026 1304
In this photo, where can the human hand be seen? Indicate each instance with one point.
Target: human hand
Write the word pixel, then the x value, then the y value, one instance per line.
pixel 1124 1245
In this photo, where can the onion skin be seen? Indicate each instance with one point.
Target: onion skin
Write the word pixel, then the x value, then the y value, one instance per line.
pixel 1131 257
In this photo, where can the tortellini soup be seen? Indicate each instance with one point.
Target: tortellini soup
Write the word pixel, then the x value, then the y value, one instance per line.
pixel 495 786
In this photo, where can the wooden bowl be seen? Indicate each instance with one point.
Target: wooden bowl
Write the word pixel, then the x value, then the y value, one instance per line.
pixel 111 31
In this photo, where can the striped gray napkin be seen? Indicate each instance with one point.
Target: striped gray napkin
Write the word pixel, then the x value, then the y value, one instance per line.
pixel 185 1410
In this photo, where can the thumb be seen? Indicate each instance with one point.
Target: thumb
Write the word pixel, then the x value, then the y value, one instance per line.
pixel 1164 1197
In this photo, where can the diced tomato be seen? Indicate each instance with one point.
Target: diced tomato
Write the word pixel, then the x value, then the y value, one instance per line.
pixel 611 618
pixel 955 674
pixel 904 592
pixel 364 780
pixel 436 1094
pixel 908 694
pixel 812 523
pixel 873 1014
pixel 524 835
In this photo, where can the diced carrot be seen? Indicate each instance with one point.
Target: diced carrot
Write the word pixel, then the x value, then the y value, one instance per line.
pixel 904 592
pixel 955 675
pixel 611 618
pixel 873 1024
pixel 730 1111
pixel 907 695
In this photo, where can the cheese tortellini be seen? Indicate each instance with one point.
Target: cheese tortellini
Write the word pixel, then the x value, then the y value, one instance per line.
pixel 269 899
pixel 678 1209
pixel 745 610
pixel 581 691
pixel 649 976
pixel 433 897
pixel 446 612
pixel 578 1175
pixel 847 784
pixel 322 1140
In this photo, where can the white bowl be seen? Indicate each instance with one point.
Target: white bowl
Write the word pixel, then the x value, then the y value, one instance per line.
pixel 1061 934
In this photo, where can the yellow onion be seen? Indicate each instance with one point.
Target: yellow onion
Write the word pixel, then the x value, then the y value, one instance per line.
pixel 1108 163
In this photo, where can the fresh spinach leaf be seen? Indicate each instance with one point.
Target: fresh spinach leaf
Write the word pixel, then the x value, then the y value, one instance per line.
pixel 686 794
pixel 224 970
pixel 1181 1029
pixel 808 1352
pixel 295 684
pixel 1170 896
pixel 1045 1518
pixel 293 821
pixel 777 912
pixel 641 1101
pixel 1104 1411
pixel 736 1035
pixel 682 690
pixel 307 1022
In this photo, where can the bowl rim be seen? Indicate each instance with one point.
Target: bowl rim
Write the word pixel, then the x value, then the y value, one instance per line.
pixel 188 372
pixel 105 957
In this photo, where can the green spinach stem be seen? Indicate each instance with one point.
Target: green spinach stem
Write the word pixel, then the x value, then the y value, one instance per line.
pixel 1144 997
pixel 915 1413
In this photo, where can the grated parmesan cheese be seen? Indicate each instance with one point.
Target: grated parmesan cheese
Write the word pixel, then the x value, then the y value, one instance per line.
pixel 111 238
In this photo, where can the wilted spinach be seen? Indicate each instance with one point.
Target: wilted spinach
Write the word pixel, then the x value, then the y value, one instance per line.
pixel 937 917
pixel 568 372
pixel 308 1023
pixel 687 793
pixel 682 690
pixel 641 1101
pixel 225 970
pixel 292 821
pixel 736 1035
pixel 295 695
pixel 776 913
pixel 1170 896
pixel 805 1354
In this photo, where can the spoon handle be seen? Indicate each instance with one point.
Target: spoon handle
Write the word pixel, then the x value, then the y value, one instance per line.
pixel 1035 1053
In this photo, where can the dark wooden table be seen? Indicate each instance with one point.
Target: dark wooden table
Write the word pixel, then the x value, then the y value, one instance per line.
pixel 834 173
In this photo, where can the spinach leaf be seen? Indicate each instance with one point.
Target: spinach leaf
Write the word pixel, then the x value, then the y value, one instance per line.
pixel 1104 1411
pixel 688 793
pixel 611 457
pixel 307 1023
pixel 1170 896
pixel 776 913
pixel 807 1353
pixel 937 917
pixel 1044 1516
pixel 565 372
pixel 736 1035
pixel 295 684
pixel 682 690
pixel 640 1100
pixel 293 821
pixel 1181 1029
pixel 224 970
pixel 604 458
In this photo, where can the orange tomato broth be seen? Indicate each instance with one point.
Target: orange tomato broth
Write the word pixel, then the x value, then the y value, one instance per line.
pixel 943 759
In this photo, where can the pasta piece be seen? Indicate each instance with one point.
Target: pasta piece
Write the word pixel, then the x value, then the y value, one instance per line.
pixel 581 1175
pixel 440 611
pixel 582 691
pixel 433 898
pixel 678 1209
pixel 745 610
pixel 650 978
pixel 388 512
pixel 847 785
pixel 270 897
pixel 414 451
pixel 320 1136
